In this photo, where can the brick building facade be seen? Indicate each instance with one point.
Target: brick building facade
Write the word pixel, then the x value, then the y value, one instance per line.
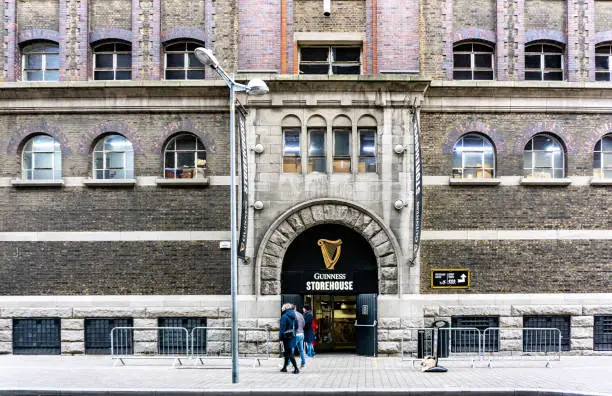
pixel 81 246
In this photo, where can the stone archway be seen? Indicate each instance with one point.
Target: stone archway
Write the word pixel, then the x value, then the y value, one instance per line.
pixel 288 226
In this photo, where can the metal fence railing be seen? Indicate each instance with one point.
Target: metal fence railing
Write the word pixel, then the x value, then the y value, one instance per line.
pixel 178 343
pixel 494 343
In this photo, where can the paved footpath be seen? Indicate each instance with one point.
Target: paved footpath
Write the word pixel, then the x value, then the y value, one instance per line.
pixel 339 375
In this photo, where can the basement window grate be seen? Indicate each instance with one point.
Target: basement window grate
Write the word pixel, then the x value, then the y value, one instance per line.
pixel 468 341
pixel 173 342
pixel 98 339
pixel 36 337
pixel 602 333
pixel 542 340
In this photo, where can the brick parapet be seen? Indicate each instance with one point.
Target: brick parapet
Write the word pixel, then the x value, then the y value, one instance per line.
pixel 398 35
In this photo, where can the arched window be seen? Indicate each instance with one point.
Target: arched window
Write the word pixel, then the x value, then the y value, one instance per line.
pixel 112 61
pixel 473 157
pixel 40 62
pixel 543 62
pixel 544 158
pixel 184 157
pixel 603 62
pixel 41 159
pixel 181 62
pixel 341 160
pixel 113 158
pixel 473 61
pixel 602 159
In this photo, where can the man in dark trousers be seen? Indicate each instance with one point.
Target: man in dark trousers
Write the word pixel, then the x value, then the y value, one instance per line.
pixel 308 330
pixel 287 336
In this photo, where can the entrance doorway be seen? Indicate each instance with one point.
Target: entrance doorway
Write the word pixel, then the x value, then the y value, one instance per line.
pixel 335 318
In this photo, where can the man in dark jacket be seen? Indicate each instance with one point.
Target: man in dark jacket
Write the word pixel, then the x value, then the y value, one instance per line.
pixel 308 330
pixel 287 336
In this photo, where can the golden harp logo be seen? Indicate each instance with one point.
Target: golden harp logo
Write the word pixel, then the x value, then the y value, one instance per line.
pixel 330 251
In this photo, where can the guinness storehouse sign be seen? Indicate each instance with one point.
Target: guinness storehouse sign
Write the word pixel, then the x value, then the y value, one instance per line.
pixel 329 259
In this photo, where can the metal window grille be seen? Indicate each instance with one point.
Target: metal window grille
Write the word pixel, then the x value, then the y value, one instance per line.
pixel 36 337
pixel 175 340
pixel 469 340
pixel 543 341
pixel 97 335
pixel 602 333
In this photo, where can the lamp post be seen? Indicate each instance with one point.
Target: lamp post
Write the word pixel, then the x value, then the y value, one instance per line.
pixel 254 87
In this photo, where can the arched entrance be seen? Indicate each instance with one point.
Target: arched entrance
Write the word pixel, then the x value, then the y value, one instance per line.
pixel 291 262
pixel 333 269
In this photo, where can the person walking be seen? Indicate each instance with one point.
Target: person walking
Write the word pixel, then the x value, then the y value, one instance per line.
pixel 286 336
pixel 308 330
pixel 299 332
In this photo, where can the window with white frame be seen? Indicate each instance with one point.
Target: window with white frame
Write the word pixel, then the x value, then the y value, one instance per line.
pixel 40 62
pixel 473 61
pixel 543 62
pixel 367 150
pixel 181 62
pixel 184 157
pixel 602 159
pixel 112 61
pixel 292 160
pixel 113 158
pixel 342 151
pixel 603 62
pixel 473 157
pixel 330 60
pixel 41 159
pixel 544 158
pixel 316 150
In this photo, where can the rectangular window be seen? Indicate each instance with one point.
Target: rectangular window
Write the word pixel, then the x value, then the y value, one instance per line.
pixel 36 337
pixel 292 160
pixel 316 151
pixel 174 341
pixel 544 340
pixel 98 336
pixel 330 60
pixel 367 150
pixel 342 151
pixel 467 341
pixel 602 333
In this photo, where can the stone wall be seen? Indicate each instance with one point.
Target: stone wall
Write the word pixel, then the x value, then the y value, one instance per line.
pixel 148 133
pixel 38 14
pixel 509 132
pixel 603 15
pixel 114 268
pixel 521 266
pixel 346 16
pixel 109 14
pixel 545 14
pixel 479 14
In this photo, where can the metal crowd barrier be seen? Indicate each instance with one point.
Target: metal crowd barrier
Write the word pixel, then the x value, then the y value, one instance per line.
pixel 494 343
pixel 537 344
pixel 178 343
pixel 214 343
pixel 155 342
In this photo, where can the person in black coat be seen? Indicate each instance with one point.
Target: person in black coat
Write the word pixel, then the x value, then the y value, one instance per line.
pixel 308 330
pixel 287 337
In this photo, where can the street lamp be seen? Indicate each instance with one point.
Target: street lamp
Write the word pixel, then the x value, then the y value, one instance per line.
pixel 254 87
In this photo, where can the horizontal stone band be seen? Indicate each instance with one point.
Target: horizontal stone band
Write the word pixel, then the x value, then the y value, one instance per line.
pixel 515 234
pixel 114 236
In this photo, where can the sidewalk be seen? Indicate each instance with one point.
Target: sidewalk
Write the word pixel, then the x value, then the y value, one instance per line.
pixel 325 374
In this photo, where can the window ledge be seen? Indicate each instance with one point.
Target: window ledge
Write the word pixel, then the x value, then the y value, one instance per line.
pixel 601 182
pixel 183 182
pixel 37 183
pixel 474 182
pixel 109 182
pixel 527 181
